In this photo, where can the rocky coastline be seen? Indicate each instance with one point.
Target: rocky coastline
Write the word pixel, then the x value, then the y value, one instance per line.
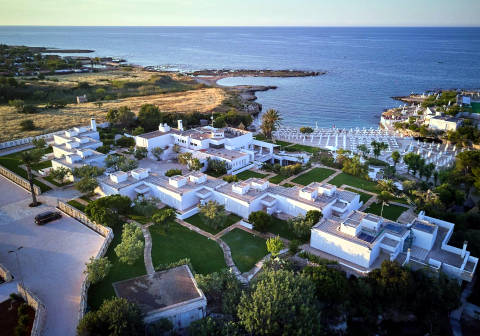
pixel 247 93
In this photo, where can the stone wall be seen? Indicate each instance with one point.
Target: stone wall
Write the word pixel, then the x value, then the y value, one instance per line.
pixel 19 180
pixel 101 230
pixel 40 310
pixel 5 274
pixel 82 218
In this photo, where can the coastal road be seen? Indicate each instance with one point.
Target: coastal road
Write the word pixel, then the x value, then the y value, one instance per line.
pixel 52 259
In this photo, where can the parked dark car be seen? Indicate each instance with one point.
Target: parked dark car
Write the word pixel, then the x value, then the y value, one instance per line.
pixel 46 217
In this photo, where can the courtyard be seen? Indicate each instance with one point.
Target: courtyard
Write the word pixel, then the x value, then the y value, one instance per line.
pixel 52 258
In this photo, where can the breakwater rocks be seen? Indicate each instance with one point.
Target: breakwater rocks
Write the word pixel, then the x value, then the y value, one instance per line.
pixel 255 73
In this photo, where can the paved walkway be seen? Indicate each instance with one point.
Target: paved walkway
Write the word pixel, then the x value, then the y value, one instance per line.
pixel 53 256
pixel 147 249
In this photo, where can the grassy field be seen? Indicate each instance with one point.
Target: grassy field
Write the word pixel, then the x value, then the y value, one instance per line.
pixel 314 175
pixel 354 181
pixel 178 95
pixel 13 162
pixel 363 196
pixel 277 179
pixel 280 227
pixel 302 148
pixel 119 271
pixel 245 175
pixel 179 242
pixel 198 222
pixel 391 211
pixel 247 249
pixel 288 185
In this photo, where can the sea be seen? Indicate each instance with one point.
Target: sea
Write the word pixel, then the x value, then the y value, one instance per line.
pixel 364 67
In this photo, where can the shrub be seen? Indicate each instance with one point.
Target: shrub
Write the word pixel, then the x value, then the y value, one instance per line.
pixel 216 167
pixel 141 153
pixel 230 178
pixel 260 220
pixel 27 125
pixel 213 214
pixel 293 246
pixel 173 172
pixel 103 149
pixel 97 269
pixel 306 130
pixel 125 142
pixel 274 245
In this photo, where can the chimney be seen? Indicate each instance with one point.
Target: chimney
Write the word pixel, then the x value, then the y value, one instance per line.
pixel 464 249
pixel 407 259
pixel 180 125
pixel 93 124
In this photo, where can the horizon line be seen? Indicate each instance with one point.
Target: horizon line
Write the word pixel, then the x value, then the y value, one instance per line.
pixel 245 26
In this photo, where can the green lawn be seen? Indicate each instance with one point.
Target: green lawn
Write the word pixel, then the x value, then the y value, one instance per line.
pixel 140 218
pixel 179 242
pixel 391 211
pixel 354 181
pixel 119 271
pixel 12 162
pixel 283 143
pixel 77 205
pixel 314 175
pixel 277 179
pixel 247 249
pixel 363 196
pixel 248 174
pixel 198 222
pixel 54 182
pixel 280 227
pixel 86 198
pixel 42 165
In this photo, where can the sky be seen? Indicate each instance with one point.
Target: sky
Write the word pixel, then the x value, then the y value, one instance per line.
pixel 240 12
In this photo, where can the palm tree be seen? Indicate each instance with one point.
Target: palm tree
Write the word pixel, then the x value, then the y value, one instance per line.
pixel 384 197
pixel 396 158
pixel 29 158
pixel 270 122
pixel 386 185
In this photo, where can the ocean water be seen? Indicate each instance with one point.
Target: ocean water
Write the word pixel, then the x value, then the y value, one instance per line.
pixel 365 66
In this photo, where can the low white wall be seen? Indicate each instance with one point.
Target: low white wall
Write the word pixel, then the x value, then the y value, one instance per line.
pixel 40 310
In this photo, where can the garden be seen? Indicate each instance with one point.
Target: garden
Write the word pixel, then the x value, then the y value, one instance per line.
pixel 199 222
pixel 354 181
pixel 246 174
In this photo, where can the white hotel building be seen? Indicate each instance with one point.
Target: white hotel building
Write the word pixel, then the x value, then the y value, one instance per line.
pixel 186 192
pixel 234 146
pixel 76 148
pixel 362 241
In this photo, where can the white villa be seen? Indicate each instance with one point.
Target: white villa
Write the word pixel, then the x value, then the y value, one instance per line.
pixel 76 148
pixel 186 192
pixel 362 241
pixel 234 146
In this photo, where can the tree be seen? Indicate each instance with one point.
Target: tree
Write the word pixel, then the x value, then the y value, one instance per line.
pixel 301 227
pixel 138 130
pixel 149 117
pixel 396 158
pixel 173 172
pixel 59 174
pixel 275 245
pixel 364 149
pixel 18 104
pixel 86 185
pixel 435 178
pixel 87 171
pixel 413 162
pixel 354 167
pixel 216 167
pixel 213 214
pixel 115 317
pixel 331 284
pixel 107 210
pixel 125 141
pixel 195 164
pixel 222 290
pixel 164 218
pixel 130 248
pixel 140 153
pixel 306 130
pixel 120 162
pixel 29 158
pixel 313 216
pixel 184 158
pixel 280 303
pixel 384 197
pixel 157 152
pixel 270 121
pixel 261 220
pixel 386 185
pixel 39 143
pixel 97 269
pixel 378 147
pixel 27 125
